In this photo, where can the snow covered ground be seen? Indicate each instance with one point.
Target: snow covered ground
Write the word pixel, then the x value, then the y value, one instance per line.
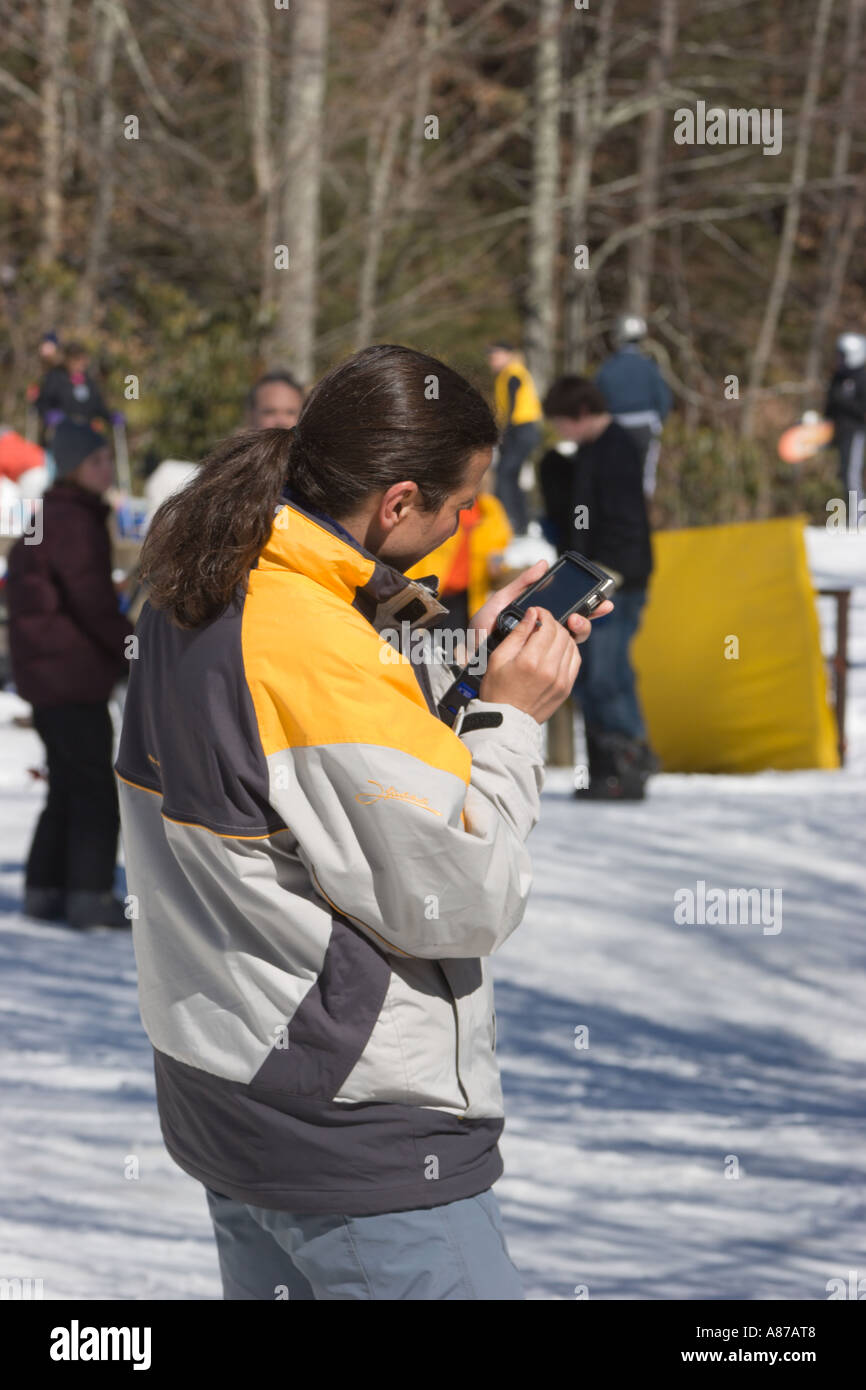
pixel 711 1050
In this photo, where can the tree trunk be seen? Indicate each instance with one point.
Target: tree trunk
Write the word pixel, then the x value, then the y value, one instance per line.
pixel 294 338
pixel 588 102
pixel 791 222
pixel 257 85
pixel 105 32
pixel 540 326
pixel 833 265
pixel 433 24
pixel 55 27
pixel 852 226
pixel 641 250
pixel 381 166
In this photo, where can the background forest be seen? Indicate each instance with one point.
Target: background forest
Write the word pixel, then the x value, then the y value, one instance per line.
pixel 199 190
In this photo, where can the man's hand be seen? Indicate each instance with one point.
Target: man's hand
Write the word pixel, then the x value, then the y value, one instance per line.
pixel 485 619
pixel 534 668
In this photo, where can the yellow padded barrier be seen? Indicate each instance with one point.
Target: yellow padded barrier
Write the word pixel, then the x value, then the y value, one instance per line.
pixel 728 656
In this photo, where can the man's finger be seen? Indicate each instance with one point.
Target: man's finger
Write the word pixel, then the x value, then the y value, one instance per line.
pixel 581 627
pixel 606 607
pixel 546 633
pixel 518 636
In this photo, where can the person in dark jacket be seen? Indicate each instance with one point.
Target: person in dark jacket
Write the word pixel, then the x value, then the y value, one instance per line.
pixel 69 390
pixel 67 643
pixel 846 407
pixel 595 504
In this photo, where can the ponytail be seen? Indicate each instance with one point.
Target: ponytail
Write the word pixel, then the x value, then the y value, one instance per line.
pixel 206 537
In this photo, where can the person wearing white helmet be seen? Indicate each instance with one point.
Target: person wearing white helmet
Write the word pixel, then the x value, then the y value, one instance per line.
pixel 630 328
pixel 852 349
pixel 846 407
pixel 637 394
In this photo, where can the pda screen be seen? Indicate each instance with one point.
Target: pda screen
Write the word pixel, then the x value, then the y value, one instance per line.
pixel 560 589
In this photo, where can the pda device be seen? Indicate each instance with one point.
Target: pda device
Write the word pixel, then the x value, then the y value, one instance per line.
pixel 573 585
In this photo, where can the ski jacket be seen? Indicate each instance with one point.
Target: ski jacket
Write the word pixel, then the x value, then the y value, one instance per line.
pixel 67 636
pixel 78 398
pixel 633 386
pixel 516 398
pixel 319 868
pixel 595 504
pixel 846 400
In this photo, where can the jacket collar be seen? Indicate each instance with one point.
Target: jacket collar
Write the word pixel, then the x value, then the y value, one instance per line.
pixel 306 541
pixel 68 490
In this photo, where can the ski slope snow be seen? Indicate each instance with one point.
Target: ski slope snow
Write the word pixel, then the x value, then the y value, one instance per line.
pixel 685 1103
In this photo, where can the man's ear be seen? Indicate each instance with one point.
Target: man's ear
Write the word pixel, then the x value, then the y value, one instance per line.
pixel 401 500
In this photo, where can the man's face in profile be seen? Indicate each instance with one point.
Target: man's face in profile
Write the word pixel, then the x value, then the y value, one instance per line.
pixel 577 430
pixel 277 406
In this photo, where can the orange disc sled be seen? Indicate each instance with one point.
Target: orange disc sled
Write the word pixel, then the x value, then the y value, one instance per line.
pixel 802 442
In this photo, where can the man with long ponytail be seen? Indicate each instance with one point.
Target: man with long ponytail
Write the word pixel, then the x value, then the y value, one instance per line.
pixel 322 867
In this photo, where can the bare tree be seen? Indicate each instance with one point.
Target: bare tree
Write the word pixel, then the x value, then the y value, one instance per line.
pixel 846 208
pixel 540 325
pixel 432 236
pixel 791 221
pixel 382 148
pixel 588 102
pixel 294 338
pixel 55 29
pixel 105 31
pixel 387 120
pixel 434 19
pixel 256 60
pixel 641 251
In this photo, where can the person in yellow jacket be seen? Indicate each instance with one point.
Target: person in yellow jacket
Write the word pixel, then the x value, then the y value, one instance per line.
pixel 466 563
pixel 519 415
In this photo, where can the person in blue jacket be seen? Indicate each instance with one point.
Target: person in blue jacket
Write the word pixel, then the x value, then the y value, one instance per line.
pixel 637 395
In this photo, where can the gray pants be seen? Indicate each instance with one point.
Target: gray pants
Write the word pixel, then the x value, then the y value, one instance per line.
pixel 518 442
pixel 645 426
pixel 455 1251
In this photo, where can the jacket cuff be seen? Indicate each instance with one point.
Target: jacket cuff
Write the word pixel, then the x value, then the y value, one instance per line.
pixel 513 727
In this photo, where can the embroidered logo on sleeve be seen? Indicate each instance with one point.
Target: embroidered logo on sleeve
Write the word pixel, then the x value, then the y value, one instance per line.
pixel 389 794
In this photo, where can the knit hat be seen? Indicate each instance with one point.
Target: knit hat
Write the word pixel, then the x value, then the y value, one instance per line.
pixel 72 444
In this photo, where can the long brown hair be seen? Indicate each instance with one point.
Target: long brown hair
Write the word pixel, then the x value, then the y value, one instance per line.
pixel 386 414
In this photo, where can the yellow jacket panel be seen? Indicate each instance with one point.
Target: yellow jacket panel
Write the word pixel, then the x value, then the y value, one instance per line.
pixel 527 406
